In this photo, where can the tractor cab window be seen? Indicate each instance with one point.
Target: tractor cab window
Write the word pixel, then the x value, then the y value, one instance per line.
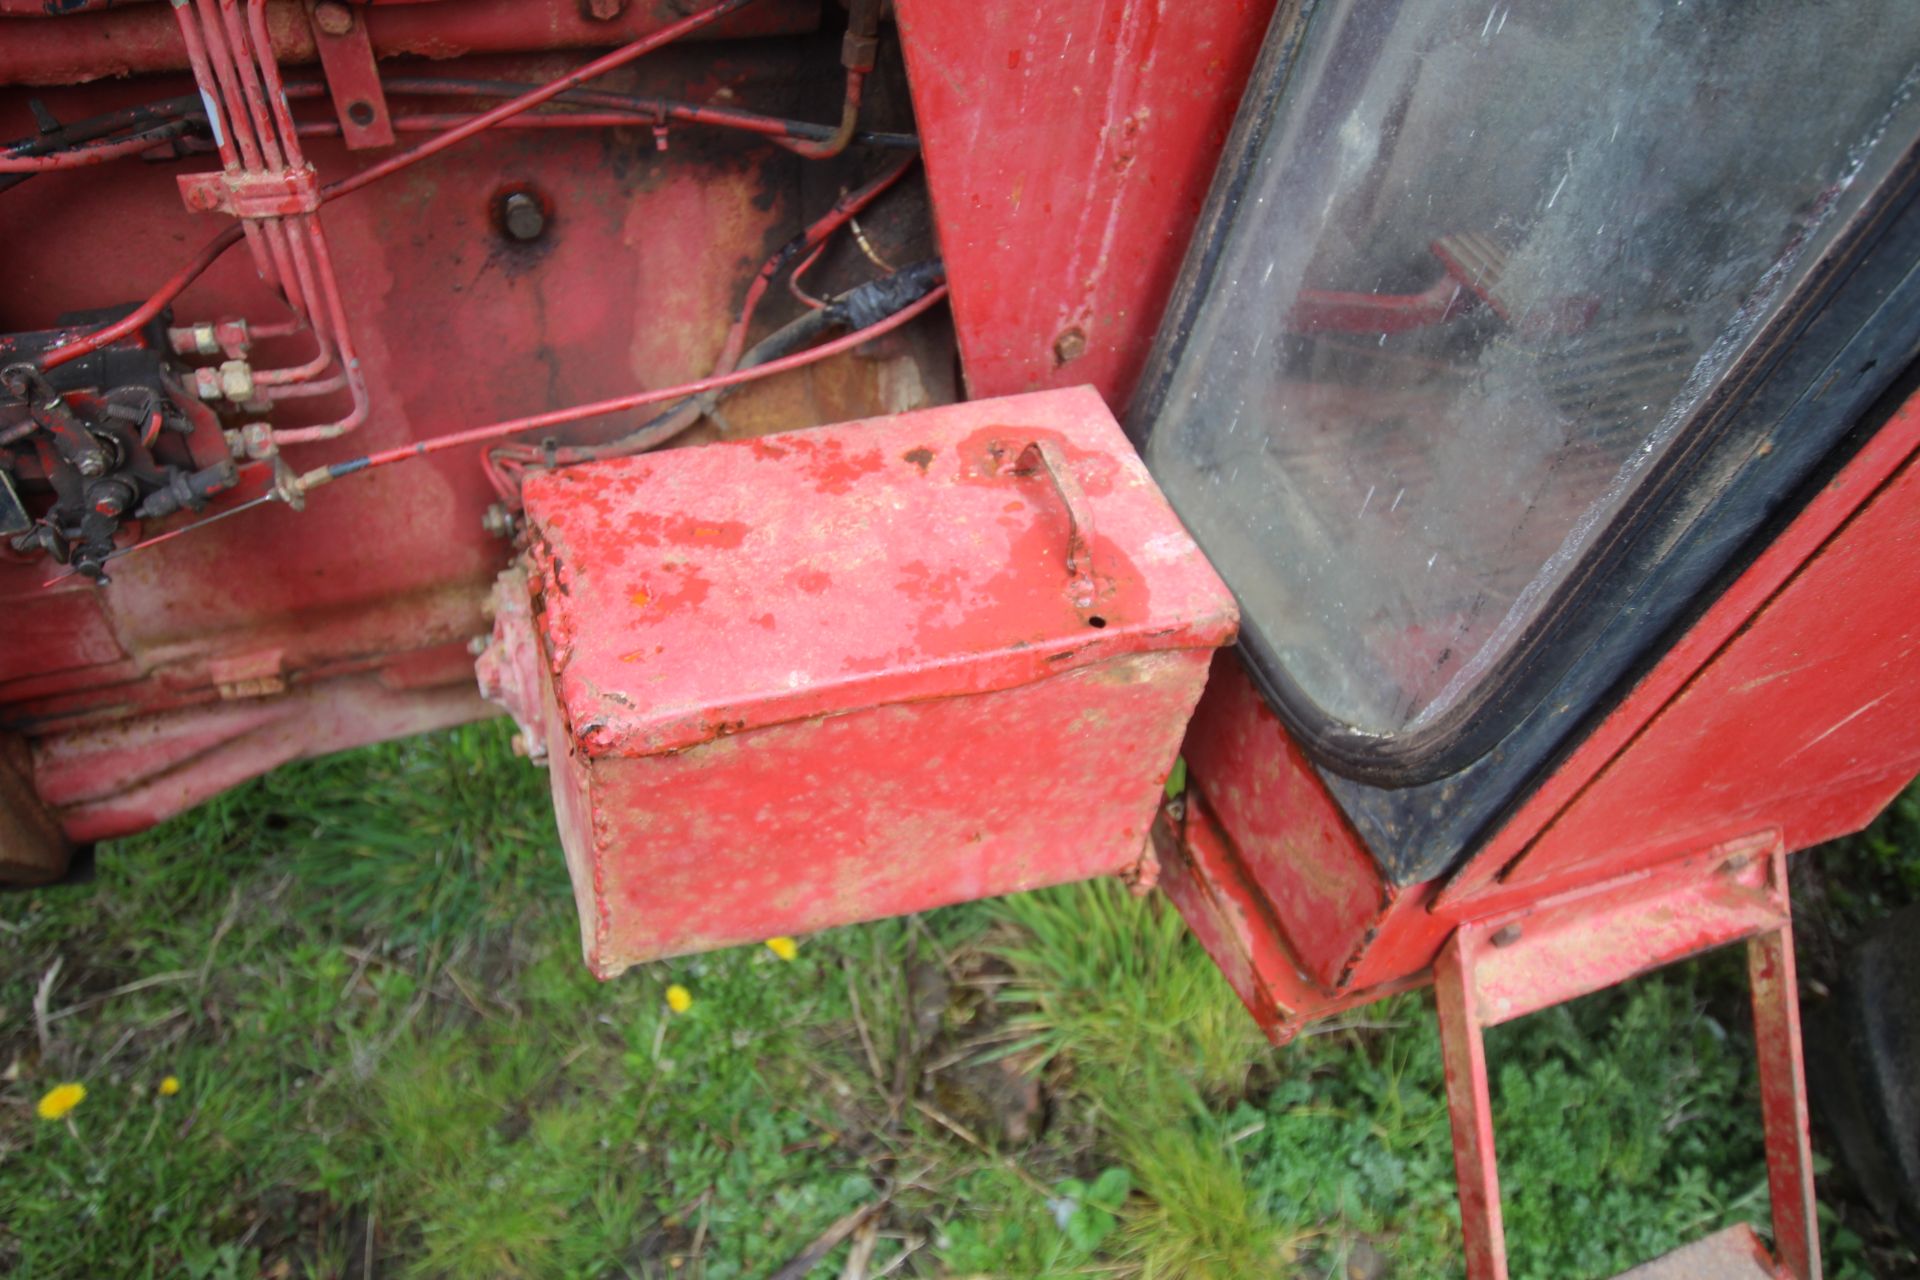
pixel 1479 268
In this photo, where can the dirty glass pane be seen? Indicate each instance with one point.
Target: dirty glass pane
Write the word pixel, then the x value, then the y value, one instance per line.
pixel 1488 260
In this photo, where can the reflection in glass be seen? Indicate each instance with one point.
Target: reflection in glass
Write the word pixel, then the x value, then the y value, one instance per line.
pixel 1488 261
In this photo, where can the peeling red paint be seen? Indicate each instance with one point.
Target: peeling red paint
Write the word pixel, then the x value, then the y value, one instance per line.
pixel 1071 211
pixel 836 472
pixel 676 586
pixel 933 718
pixel 651 530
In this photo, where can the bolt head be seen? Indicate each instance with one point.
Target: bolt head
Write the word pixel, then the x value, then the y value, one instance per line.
pixel 91 465
pixel 333 18
pixel 1506 935
pixel 1069 345
pixel 497 521
pixel 523 217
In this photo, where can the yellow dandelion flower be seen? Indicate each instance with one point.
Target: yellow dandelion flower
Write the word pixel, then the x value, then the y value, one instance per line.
pixel 679 999
pixel 169 1086
pixel 62 1098
pixel 784 947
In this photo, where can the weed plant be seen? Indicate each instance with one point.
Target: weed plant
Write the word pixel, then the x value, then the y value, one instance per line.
pixel 363 975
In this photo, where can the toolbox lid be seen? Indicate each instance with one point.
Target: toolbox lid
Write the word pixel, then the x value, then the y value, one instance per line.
pixel 974 547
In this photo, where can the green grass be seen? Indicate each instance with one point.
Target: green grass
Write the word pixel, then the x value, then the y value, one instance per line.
pixel 365 975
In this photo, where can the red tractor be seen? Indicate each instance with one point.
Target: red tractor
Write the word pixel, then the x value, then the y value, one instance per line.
pixel 1431 487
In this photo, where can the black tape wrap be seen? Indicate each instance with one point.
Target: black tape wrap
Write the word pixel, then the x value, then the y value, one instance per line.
pixel 875 300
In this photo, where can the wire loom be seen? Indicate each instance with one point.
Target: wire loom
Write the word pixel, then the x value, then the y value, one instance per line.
pixel 258 140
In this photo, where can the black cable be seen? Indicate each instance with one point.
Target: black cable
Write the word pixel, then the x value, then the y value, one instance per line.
pixel 867 305
pixel 859 308
pixel 157 122
pixel 93 128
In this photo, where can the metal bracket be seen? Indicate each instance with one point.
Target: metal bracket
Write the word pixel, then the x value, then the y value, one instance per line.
pixel 1520 961
pixel 353 78
pixel 263 193
pixel 1232 917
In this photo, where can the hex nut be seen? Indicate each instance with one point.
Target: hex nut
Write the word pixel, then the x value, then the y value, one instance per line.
pixel 110 498
pixel 258 440
pixel 236 381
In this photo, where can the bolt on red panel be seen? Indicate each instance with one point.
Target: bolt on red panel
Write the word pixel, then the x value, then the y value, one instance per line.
pixel 850 672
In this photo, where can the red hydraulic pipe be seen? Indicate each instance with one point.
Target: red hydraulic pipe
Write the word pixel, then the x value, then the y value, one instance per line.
pixel 311 238
pixel 206 60
pixel 276 88
pixel 439 121
pixel 300 390
pixel 849 122
pixel 599 66
pixel 282 380
pixel 781 130
pixel 617 110
pixel 793 279
pixel 307 235
pixel 227 76
pixel 246 58
pixel 858 50
pixel 198 60
pixel 279 380
pixel 146 311
pixel 619 404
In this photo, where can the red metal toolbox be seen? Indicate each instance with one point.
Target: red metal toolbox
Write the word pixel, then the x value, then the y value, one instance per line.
pixel 973 637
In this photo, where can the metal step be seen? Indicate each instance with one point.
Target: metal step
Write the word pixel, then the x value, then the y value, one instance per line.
pixel 1733 1254
pixel 1507 964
